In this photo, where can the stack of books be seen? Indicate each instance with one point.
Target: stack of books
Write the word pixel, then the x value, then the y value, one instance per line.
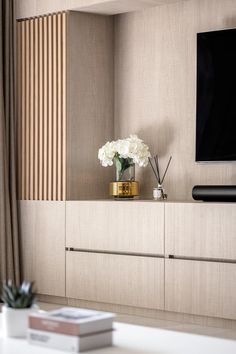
pixel 71 329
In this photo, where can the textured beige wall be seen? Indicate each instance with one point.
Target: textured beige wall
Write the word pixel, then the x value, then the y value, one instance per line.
pixel 29 8
pixel 155 90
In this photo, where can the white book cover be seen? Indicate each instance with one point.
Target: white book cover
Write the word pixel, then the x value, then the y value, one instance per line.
pixel 72 344
pixel 71 321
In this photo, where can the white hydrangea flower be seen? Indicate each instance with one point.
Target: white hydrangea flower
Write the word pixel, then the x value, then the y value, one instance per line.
pixel 132 147
pixel 106 154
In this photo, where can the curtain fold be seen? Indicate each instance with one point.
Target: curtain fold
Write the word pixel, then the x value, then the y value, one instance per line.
pixel 9 236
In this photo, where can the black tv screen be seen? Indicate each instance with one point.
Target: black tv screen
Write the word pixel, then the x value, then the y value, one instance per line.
pixel 216 96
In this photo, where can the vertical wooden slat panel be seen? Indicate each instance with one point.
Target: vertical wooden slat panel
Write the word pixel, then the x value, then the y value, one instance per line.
pixel 36 108
pixel 55 108
pixel 19 108
pixel 64 106
pixel 31 109
pixel 50 77
pixel 59 102
pixel 41 109
pixel 23 102
pixel 45 107
pixel 27 110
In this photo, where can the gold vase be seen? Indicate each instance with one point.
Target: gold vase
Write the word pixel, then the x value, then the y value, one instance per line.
pixel 124 189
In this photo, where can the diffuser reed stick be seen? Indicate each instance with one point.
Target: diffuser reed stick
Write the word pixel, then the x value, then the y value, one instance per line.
pixel 156 168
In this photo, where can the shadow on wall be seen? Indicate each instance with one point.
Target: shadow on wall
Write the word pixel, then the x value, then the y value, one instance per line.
pixel 164 133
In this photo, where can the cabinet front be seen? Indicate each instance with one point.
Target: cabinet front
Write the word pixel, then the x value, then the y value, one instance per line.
pixel 116 226
pixel 200 288
pixel 201 230
pixel 118 279
pixel 42 229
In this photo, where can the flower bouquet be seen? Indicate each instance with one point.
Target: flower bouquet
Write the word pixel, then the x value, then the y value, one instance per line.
pixel 124 154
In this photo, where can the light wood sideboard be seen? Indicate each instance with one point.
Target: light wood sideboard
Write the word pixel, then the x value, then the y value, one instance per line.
pixel 169 256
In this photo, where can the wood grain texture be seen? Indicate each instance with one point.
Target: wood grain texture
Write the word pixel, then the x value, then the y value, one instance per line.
pixel 42 115
pixel 31 107
pixel 19 106
pixel 41 140
pixel 134 227
pixel 36 109
pixel 64 109
pixel 127 280
pixel 89 103
pixel 42 230
pixel 155 88
pixel 22 117
pixel 50 107
pixel 205 230
pixel 27 110
pixel 45 107
pixel 200 288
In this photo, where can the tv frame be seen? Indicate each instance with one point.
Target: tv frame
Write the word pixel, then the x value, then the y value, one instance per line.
pixel 207 161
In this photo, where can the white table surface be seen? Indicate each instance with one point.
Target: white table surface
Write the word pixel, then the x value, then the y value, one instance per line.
pixel 132 339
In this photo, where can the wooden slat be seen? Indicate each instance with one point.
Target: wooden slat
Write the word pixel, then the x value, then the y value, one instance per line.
pixel 36 108
pixel 31 109
pixel 40 108
pixel 50 107
pixel 59 103
pixel 55 108
pixel 64 130
pixel 23 101
pixel 45 107
pixel 27 110
pixel 19 108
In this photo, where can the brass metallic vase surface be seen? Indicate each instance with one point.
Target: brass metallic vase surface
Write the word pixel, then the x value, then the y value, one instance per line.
pixel 125 189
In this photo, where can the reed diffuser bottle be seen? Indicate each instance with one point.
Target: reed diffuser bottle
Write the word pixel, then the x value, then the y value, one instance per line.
pixel 158 192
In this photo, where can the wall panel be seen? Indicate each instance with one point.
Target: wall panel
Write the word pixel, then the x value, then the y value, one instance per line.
pixel 155 88
pixel 42 113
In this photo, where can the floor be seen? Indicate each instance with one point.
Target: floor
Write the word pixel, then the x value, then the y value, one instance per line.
pixel 167 325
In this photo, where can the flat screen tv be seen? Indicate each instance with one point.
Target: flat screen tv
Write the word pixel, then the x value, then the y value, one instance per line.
pixel 216 96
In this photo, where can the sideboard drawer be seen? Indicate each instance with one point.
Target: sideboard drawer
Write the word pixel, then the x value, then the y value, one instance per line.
pixel 200 288
pixel 118 279
pixel 201 230
pixel 119 226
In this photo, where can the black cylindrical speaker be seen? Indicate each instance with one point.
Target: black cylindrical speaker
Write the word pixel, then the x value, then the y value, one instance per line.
pixel 214 193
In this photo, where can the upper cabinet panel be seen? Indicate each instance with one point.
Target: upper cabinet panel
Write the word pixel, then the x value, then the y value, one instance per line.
pixel 133 227
pixel 201 230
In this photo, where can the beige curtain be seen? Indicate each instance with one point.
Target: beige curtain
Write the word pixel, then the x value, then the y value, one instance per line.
pixel 9 242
